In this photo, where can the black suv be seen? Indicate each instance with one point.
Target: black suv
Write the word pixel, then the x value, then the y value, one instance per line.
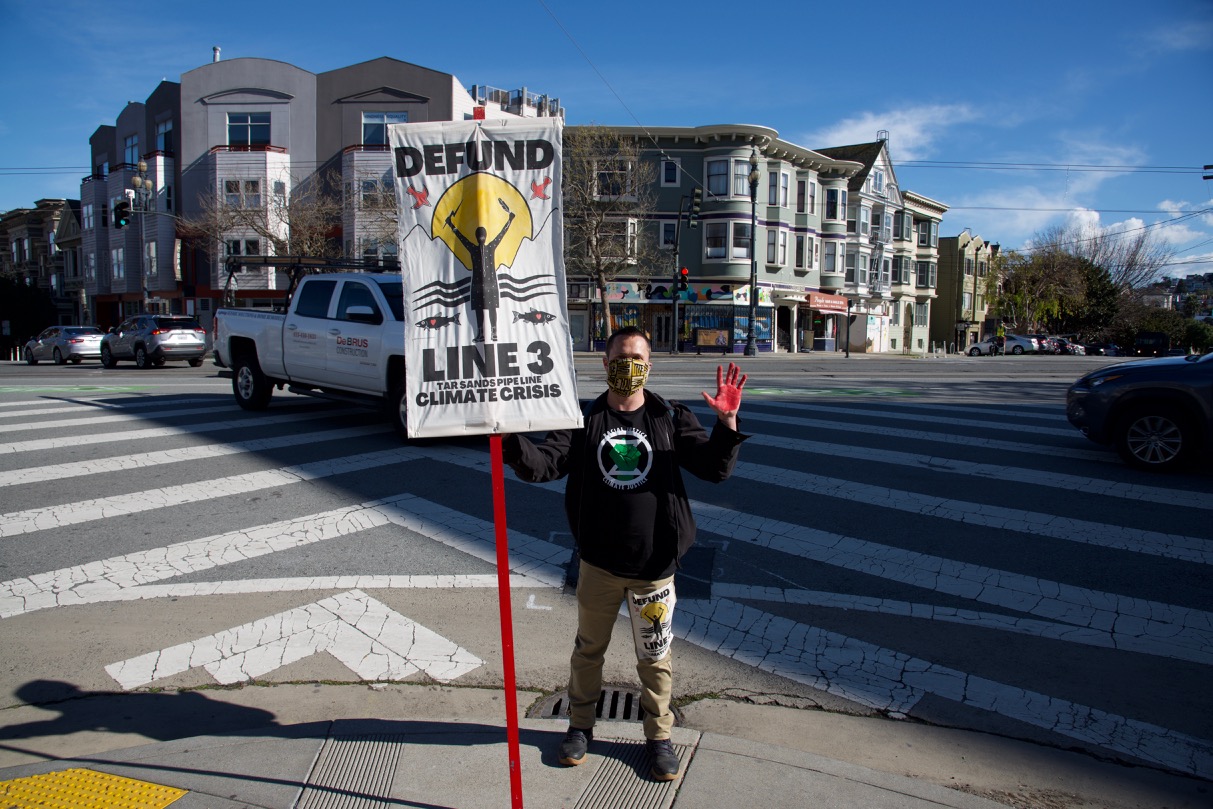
pixel 1158 413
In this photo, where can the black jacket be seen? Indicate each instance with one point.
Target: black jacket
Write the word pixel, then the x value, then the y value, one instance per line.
pixel 678 441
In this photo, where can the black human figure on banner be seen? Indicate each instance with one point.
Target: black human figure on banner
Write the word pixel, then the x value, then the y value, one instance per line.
pixel 485 293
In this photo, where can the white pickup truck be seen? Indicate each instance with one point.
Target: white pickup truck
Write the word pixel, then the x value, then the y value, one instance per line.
pixel 342 337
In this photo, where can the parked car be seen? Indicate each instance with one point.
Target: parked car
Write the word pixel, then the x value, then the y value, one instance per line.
pixel 62 344
pixel 152 339
pixel 1045 344
pixel 1103 349
pixel 1015 344
pixel 1158 413
pixel 1065 346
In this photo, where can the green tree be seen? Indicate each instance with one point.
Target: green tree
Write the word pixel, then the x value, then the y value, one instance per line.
pixel 1198 336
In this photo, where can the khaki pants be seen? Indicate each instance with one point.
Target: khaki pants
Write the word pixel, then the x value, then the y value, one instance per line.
pixel 651 607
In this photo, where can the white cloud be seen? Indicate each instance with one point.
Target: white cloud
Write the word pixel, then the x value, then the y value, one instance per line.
pixel 1197 35
pixel 913 131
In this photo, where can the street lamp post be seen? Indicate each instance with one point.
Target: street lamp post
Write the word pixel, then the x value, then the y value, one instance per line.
pixel 751 347
pixel 143 194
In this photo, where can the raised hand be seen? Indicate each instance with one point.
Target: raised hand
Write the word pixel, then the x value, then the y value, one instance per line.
pixel 727 400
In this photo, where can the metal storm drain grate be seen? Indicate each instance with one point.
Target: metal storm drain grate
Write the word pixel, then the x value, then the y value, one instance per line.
pixel 623 779
pixel 613 704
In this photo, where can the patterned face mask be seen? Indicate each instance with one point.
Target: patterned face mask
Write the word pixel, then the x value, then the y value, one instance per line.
pixel 625 375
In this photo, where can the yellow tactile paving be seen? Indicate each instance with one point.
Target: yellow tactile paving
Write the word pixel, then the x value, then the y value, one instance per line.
pixel 84 789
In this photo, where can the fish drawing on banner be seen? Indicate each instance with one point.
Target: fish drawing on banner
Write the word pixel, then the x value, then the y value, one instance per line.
pixel 534 316
pixel 437 321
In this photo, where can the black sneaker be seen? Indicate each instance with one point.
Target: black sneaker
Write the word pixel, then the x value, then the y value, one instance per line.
pixel 663 759
pixel 576 743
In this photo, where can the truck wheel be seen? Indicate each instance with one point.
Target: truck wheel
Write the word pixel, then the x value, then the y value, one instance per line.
pixel 107 357
pixel 398 409
pixel 142 361
pixel 251 387
pixel 1157 437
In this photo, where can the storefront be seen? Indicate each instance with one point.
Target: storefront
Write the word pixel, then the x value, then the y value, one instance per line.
pixel 819 319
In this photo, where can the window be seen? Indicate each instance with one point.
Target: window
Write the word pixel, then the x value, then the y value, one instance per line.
pixel 149 259
pixel 118 263
pixel 862 268
pixel 242 193
pixel 886 271
pixel 831 259
pixel 374 126
pixel 618 238
pixel 314 298
pixel 981 269
pixel 836 203
pixel 968 266
pixel 981 303
pixel 928 234
pixel 816 257
pixel 356 294
pixel 716 235
pixel 668 232
pixel 168 198
pixel 379 251
pixel 248 129
pixel 852 218
pixel 243 247
pixel 925 272
pixel 741 240
pixel 670 172
pixel 800 251
pixel 878 182
pixel 920 314
pixel 103 169
pixel 164 136
pixel 718 178
pixel 783 247
pixel 802 195
pixel 886 229
pixel 90 266
pixel 614 179
pixel 901 270
pixel 850 263
pixel 741 178
pixel 772 188
pixel 784 180
pixel 130 149
pixel 86 216
pixel 966 302
pixel 279 194
pixel 865 220
pixel 772 245
pixel 813 199
pixel 895 320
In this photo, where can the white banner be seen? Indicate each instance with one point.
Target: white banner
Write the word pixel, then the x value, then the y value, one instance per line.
pixel 487 342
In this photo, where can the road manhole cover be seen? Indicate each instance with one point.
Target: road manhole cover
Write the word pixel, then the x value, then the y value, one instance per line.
pixel 617 704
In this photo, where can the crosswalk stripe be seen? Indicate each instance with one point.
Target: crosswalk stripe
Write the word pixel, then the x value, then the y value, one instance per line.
pixel 886 414
pixel 127 436
pixel 1076 484
pixel 1155 543
pixel 894 681
pixel 705 414
pixel 113 418
pixel 146 460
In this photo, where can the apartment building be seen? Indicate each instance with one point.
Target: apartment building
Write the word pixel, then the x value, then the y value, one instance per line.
pixel 222 159
pixel 787 218
pixel 31 254
pixel 889 253
pixel 961 315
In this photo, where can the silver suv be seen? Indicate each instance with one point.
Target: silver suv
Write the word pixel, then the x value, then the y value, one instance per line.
pixel 151 339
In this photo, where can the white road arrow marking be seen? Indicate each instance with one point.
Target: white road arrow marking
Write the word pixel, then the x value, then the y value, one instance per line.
pixel 372 640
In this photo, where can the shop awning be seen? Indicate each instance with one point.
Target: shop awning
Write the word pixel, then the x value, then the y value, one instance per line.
pixel 824 302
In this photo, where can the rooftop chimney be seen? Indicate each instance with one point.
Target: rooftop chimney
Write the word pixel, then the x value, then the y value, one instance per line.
pixel 216 50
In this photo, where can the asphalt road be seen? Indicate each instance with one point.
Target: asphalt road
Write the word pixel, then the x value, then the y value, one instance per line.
pixel 912 537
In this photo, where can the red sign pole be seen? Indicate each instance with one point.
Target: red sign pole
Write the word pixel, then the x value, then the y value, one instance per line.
pixel 507 621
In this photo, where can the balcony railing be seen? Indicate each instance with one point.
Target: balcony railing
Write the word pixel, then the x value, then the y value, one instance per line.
pixel 247 147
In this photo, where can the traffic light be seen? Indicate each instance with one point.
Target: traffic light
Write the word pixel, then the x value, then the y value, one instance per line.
pixel 122 214
pixel 683 284
pixel 696 201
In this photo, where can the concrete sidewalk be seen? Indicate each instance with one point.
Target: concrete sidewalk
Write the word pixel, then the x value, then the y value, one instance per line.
pixel 429 746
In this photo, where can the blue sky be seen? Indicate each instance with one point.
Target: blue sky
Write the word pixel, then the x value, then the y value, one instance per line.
pixel 1017 115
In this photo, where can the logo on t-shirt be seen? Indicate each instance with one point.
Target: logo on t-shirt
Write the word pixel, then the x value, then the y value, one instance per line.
pixel 625 457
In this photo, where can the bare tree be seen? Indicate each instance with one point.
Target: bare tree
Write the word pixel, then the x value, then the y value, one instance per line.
pixel 1133 258
pixel 608 197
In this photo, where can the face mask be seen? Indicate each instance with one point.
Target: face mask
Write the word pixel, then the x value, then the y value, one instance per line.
pixel 625 375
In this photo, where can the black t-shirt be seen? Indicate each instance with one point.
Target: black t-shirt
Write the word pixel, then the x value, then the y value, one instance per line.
pixel 629 499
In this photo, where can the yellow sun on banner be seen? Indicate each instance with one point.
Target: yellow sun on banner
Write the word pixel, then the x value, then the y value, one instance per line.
pixel 482 200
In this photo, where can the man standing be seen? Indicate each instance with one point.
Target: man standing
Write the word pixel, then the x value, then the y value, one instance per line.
pixel 629 513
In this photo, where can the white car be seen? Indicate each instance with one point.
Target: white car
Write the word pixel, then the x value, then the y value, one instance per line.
pixel 60 344
pixel 1014 345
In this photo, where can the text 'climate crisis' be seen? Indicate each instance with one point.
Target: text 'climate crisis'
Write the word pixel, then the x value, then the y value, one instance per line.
pixel 446 158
